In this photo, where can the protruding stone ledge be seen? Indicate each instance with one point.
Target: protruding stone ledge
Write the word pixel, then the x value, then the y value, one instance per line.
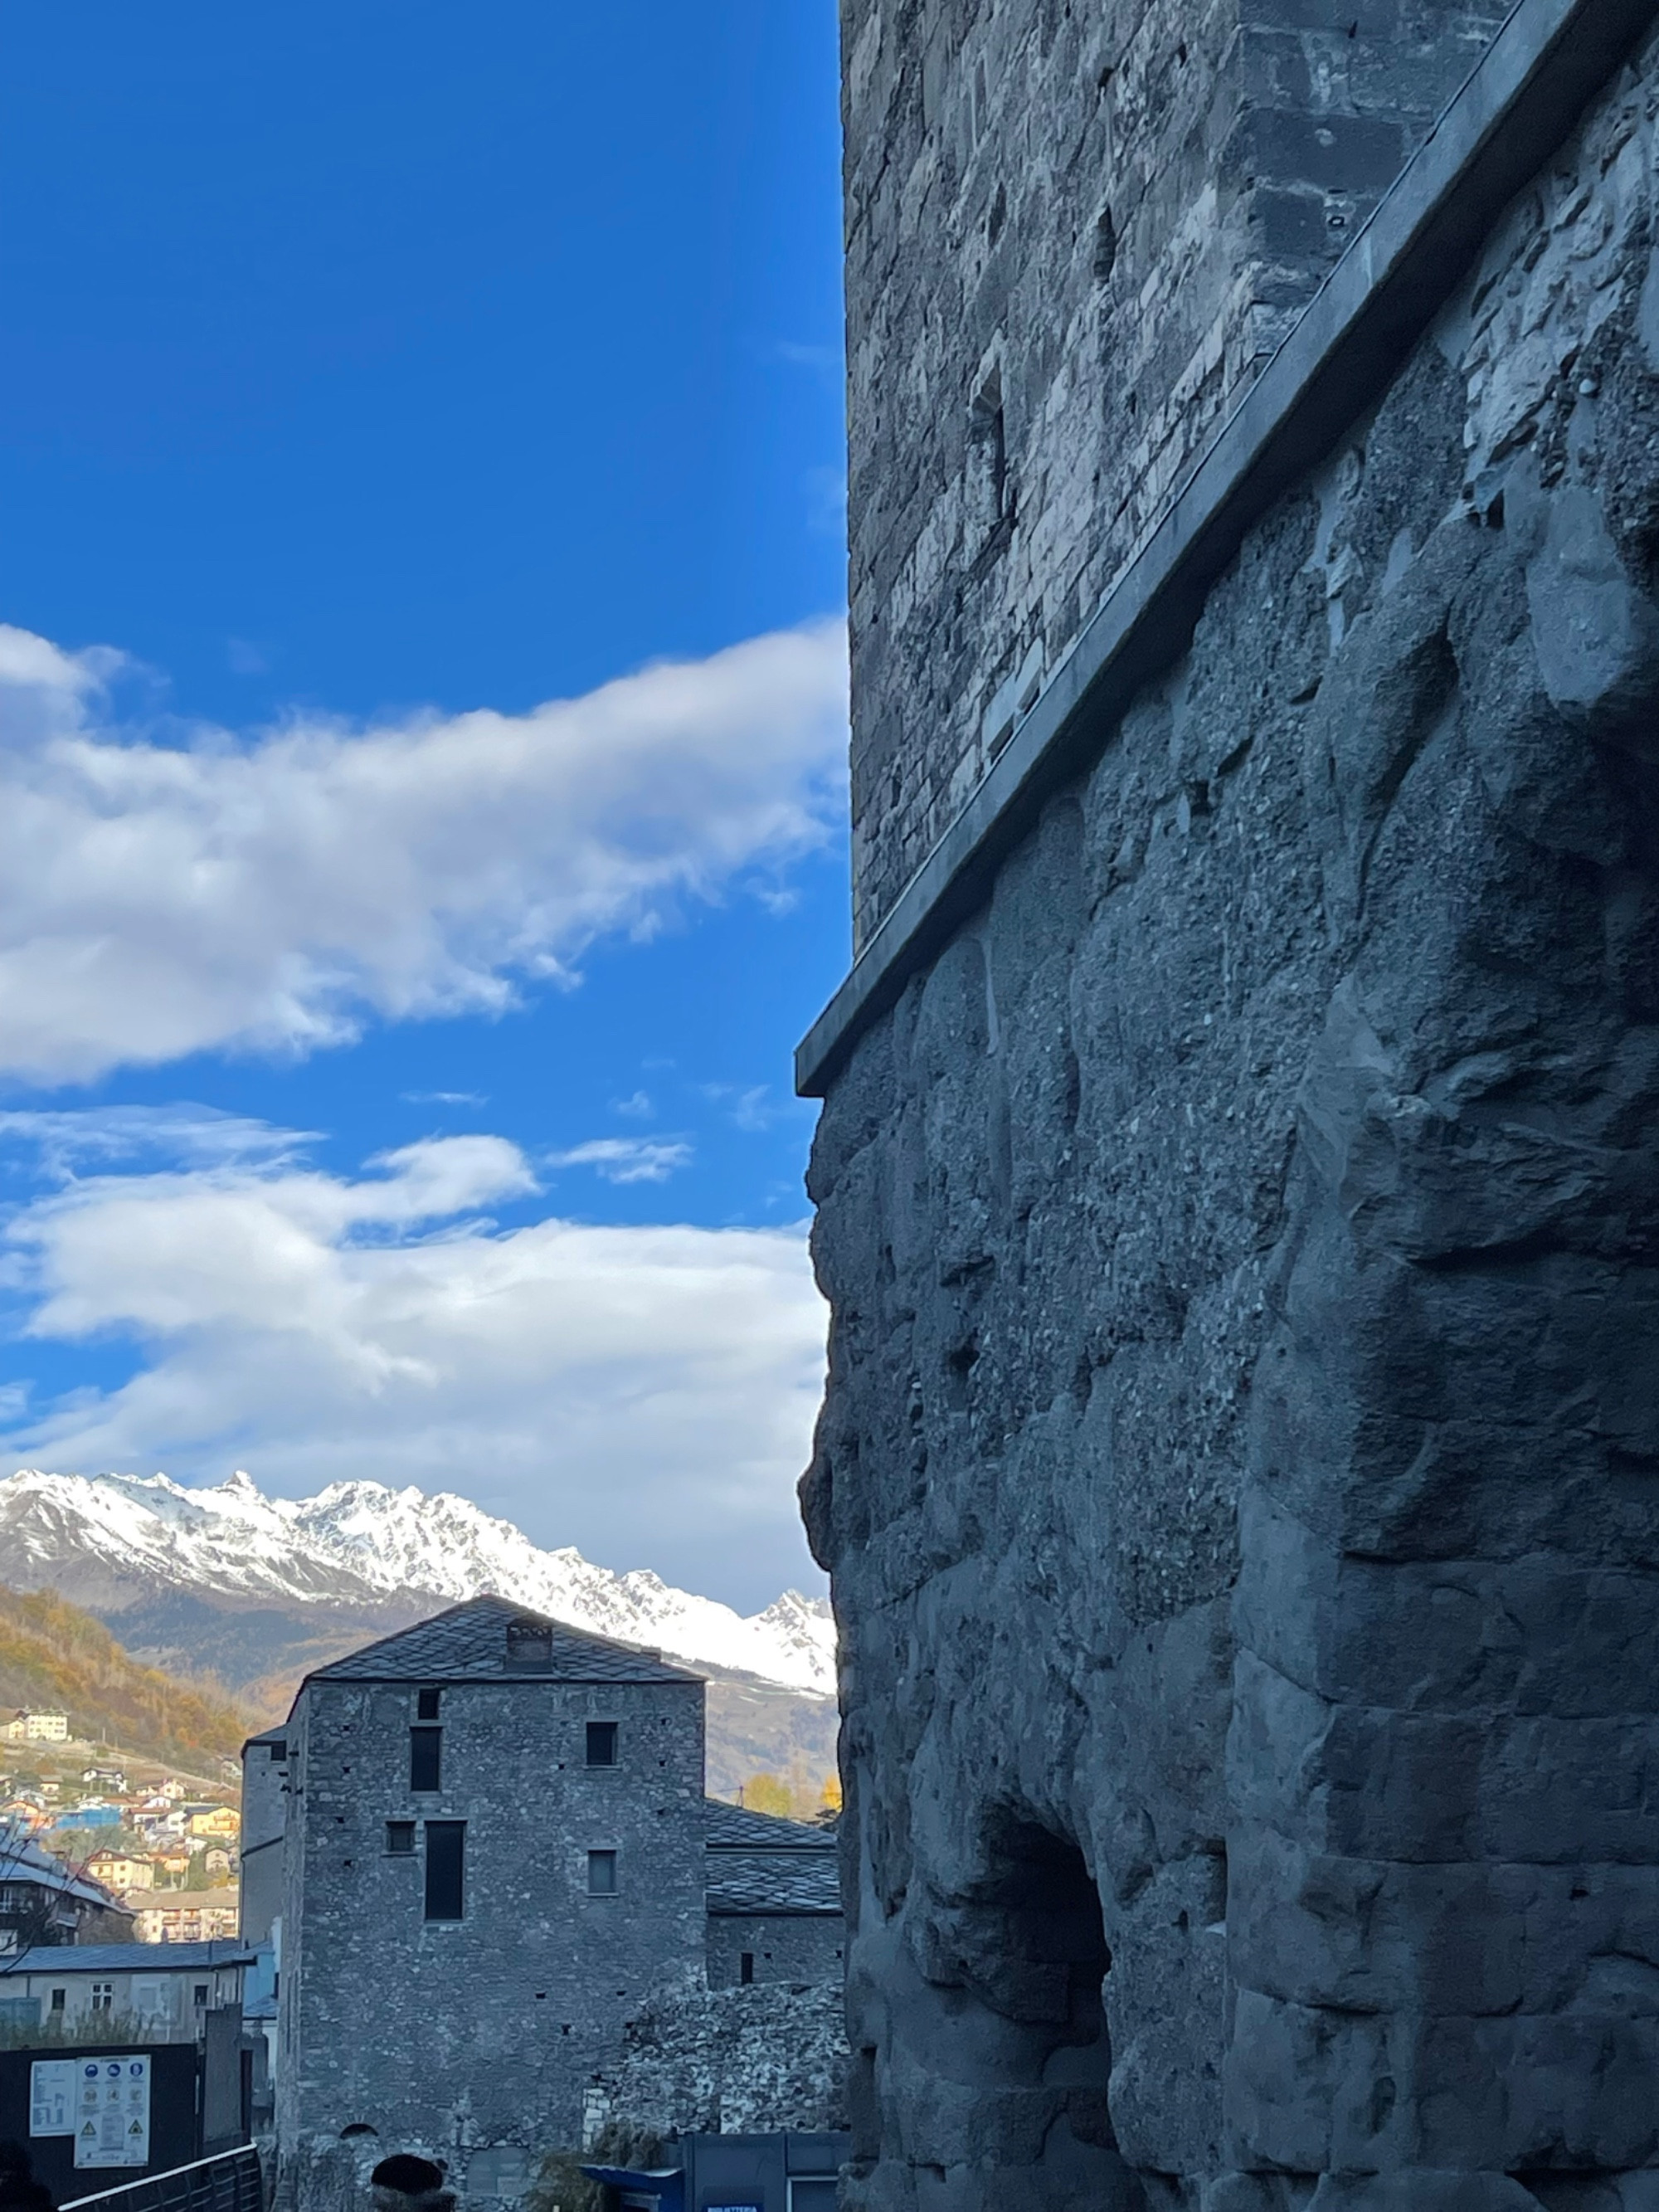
pixel 1520 102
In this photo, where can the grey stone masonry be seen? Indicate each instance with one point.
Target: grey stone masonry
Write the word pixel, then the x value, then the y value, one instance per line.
pixel 479 2025
pixel 1074 233
pixel 1240 1467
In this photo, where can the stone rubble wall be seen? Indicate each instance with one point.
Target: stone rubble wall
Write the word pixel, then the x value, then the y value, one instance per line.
pixel 731 2061
pixel 1240 1468
pixel 1101 219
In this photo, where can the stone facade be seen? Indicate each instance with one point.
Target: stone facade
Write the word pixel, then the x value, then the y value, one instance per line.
pixel 472 2025
pixel 456 2034
pixel 1074 233
pixel 1240 1469
pixel 794 1947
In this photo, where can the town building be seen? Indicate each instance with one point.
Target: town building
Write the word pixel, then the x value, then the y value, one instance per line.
pixel 184 1916
pixel 119 1870
pixel 43 1902
pixel 220 1821
pixel 155 1993
pixel 475 1848
pixel 36 1728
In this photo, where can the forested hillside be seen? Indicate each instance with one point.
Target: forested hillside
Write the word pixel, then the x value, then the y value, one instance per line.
pixel 53 1655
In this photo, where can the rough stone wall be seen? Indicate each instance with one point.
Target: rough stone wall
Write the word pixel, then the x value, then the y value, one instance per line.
pixel 785 1946
pixel 264 1817
pixel 726 2062
pixel 448 2036
pixel 1240 1470
pixel 1074 233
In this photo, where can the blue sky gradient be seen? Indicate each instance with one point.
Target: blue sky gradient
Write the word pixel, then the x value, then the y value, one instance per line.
pixel 360 362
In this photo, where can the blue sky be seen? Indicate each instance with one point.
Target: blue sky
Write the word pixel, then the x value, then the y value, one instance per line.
pixel 363 370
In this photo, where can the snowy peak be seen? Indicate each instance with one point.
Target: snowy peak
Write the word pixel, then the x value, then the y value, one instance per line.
pixel 362 1543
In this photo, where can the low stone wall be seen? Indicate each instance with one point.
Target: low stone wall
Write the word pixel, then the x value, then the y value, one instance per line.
pixel 731 2061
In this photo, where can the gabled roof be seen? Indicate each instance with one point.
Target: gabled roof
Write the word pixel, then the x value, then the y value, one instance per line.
pixel 468 1643
pixel 736 1828
pixel 23 1861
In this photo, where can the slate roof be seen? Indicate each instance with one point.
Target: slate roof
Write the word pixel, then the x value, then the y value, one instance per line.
pixel 468 1643
pixel 734 1827
pixel 774 1881
pixel 23 1861
pixel 126 1958
pixel 758 1863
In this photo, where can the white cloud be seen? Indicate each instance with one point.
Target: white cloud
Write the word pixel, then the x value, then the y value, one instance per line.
pixel 646 1394
pixel 158 899
pixel 626 1160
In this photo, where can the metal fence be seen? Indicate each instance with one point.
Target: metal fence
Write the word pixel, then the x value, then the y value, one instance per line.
pixel 230 2182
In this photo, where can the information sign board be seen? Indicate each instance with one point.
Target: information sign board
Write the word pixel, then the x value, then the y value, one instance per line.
pixel 111 2111
pixel 51 2096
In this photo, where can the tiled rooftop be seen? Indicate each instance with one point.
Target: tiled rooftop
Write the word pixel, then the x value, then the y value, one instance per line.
pixel 468 1643
pixel 774 1881
pixel 734 1827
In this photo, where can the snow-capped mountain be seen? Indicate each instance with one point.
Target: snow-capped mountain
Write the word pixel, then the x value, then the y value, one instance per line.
pixel 114 1541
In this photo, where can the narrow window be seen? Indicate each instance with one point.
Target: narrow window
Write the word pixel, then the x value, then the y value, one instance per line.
pixel 57 2000
pixel 201 1993
pixel 426 1704
pixel 601 1743
pixel 445 1853
pixel 602 1874
pixel 425 1758
pixel 987 457
pixel 746 1968
pixel 400 1838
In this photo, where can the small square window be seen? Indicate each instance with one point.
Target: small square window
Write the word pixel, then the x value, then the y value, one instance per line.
pixel 602 1874
pixel 426 1704
pixel 601 1743
pixel 400 1838
pixel 278 1753
pixel 57 1996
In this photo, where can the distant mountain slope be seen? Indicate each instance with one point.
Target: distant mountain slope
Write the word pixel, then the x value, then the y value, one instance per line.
pixel 255 1591
pixel 124 1543
pixel 55 1657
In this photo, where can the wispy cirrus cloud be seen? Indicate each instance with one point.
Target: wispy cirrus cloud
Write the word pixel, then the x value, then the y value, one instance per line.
pixel 626 1160
pixel 167 893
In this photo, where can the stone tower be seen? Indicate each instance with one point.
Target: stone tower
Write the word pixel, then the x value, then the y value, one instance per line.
pixel 1238 1179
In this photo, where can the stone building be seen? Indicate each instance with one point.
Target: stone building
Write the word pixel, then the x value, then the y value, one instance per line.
pixel 1237 1175
pixel 478 1848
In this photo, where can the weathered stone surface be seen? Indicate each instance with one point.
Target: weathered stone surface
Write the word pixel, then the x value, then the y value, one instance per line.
pixel 1240 1470
pixel 1074 233
pixel 730 2061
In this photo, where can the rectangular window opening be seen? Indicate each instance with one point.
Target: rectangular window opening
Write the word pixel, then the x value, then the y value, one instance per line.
pixel 602 1874
pixel 103 1997
pixel 602 1743
pixel 426 1704
pixel 201 1993
pixel 57 1996
pixel 446 1855
pixel 278 1753
pixel 400 1838
pixel 425 1758
pixel 746 1968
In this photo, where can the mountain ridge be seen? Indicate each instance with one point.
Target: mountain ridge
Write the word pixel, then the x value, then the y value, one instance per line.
pixel 358 1556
